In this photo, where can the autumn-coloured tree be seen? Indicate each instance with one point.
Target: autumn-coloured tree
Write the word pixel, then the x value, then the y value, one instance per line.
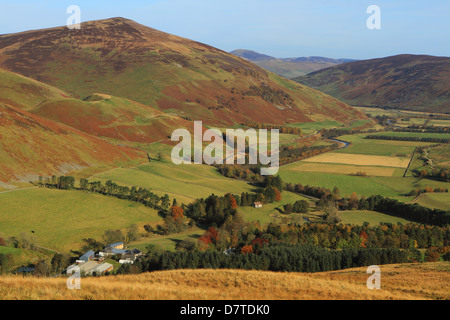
pixel 277 194
pixel 363 236
pixel 210 237
pixel 432 255
pixel 177 213
pixel 258 243
pixel 233 201
pixel 247 249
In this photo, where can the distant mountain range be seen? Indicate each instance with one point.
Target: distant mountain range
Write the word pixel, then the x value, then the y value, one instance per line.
pixel 289 67
pixel 413 82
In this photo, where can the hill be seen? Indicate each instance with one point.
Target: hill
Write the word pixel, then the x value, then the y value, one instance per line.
pixel 31 146
pixel 430 281
pixel 25 93
pixel 412 82
pixel 122 58
pixel 288 67
pixel 112 117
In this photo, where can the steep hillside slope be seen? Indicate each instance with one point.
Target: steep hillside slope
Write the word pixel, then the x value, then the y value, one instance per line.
pixel 31 146
pixel 125 59
pixel 25 93
pixel 414 82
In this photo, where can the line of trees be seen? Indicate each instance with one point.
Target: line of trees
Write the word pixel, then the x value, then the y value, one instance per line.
pixel 412 212
pixel 277 257
pixel 398 138
pixel 141 195
pixel 282 129
pixel 422 129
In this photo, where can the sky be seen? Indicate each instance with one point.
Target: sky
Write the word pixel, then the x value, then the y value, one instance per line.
pixel 280 28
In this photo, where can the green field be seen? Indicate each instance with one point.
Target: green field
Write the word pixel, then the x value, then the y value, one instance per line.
pixel 21 256
pixel 414 134
pixel 271 212
pixel 379 147
pixel 310 127
pixel 184 182
pixel 363 186
pixel 60 219
pixel 167 242
pixel 435 200
pixel 373 218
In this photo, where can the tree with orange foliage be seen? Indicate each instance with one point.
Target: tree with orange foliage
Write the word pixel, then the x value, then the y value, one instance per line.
pixel 210 237
pixel 177 213
pixel 247 249
pixel 363 235
pixel 277 194
pixel 233 201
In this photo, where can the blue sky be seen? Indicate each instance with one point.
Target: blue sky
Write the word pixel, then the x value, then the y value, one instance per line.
pixel 281 28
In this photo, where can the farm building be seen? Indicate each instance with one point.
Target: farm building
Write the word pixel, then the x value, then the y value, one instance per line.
pixel 90 268
pixel 117 245
pixel 110 251
pixel 87 256
pixel 130 256
pixel 257 204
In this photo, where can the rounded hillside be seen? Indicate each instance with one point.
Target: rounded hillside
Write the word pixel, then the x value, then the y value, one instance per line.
pixel 415 82
pixel 123 58
pixel 112 117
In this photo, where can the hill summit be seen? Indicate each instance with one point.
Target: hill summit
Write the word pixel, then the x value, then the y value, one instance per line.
pixel 122 58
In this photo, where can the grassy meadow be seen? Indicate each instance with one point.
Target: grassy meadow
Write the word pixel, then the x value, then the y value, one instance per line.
pixel 184 182
pixel 434 200
pixel 60 219
pixel 358 217
pixel 22 256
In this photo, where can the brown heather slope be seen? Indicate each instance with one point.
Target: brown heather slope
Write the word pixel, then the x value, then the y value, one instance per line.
pixel 112 117
pixel 98 114
pixel 413 82
pixel 405 281
pixel 123 58
pixel 31 146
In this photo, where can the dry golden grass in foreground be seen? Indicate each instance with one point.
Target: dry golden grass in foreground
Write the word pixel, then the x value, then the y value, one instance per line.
pixel 406 281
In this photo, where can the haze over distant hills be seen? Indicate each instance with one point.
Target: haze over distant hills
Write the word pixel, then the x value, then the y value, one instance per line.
pixel 414 82
pixel 289 67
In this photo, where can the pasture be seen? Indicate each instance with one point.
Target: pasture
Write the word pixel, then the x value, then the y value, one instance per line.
pixel 346 169
pixel 434 200
pixel 184 182
pixel 21 256
pixel 60 219
pixel 360 160
pixel 167 242
pixel 358 217
pixel 273 212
